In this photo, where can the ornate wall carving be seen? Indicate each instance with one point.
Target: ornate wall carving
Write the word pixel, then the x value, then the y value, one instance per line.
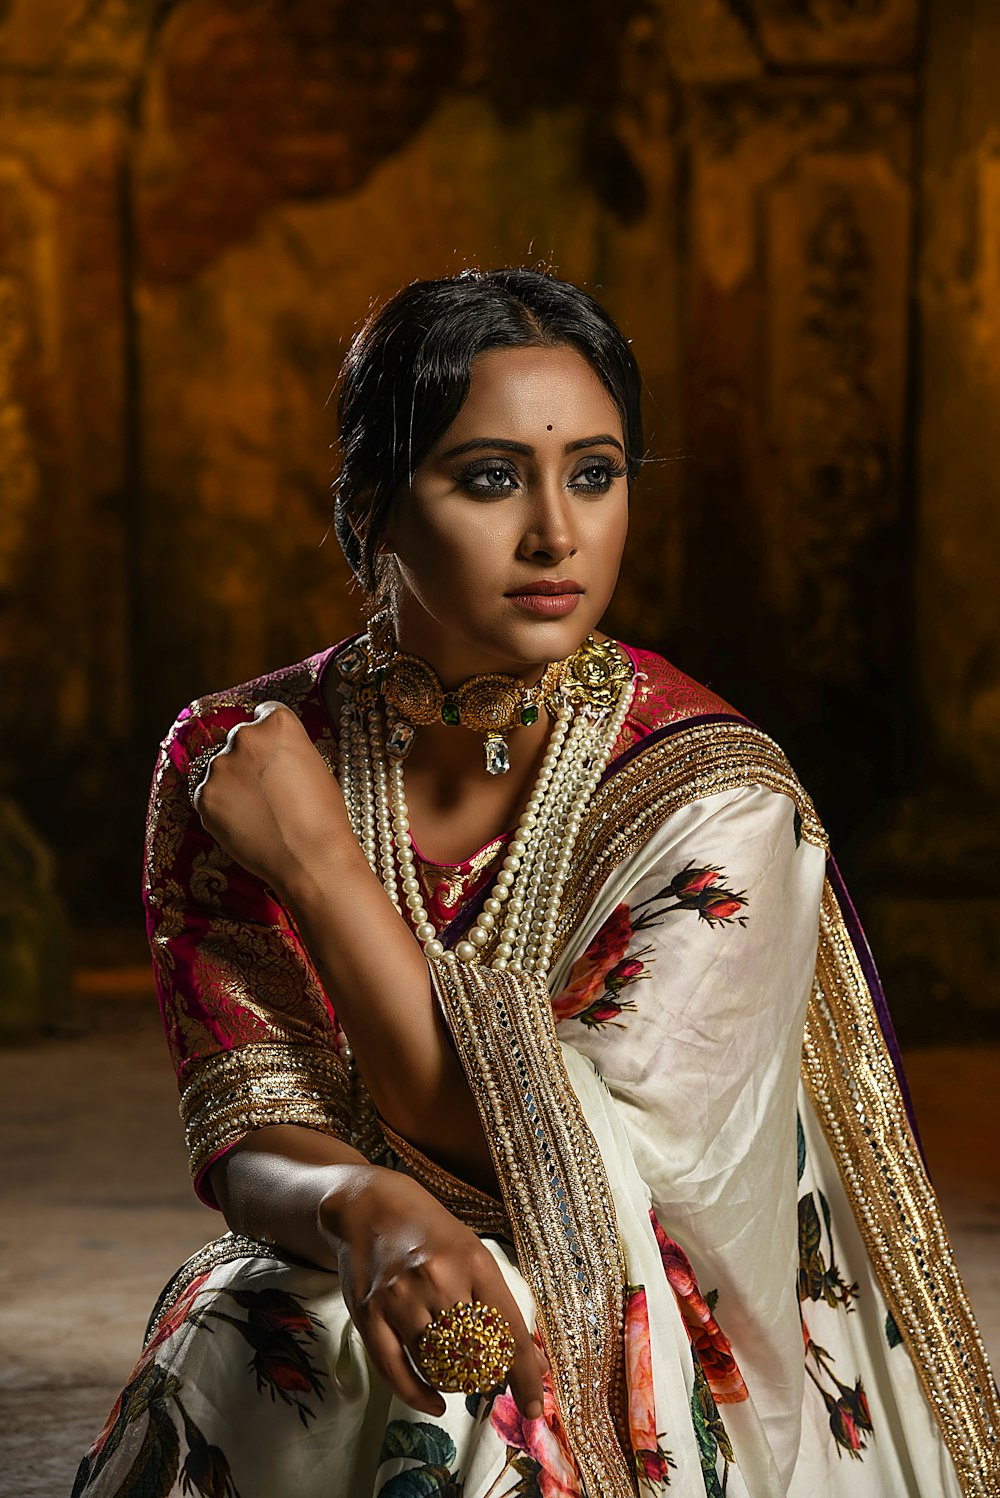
pixel 795 388
pixel 198 203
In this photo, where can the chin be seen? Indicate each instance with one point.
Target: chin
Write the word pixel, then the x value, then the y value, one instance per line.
pixel 539 641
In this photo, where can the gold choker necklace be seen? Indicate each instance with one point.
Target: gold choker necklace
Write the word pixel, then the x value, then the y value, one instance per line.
pixel 491 704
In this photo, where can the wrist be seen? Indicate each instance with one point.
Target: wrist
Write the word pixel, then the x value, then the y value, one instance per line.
pixel 349 1199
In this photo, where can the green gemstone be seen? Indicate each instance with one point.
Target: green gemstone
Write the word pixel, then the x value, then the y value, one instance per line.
pixel 529 714
pixel 450 714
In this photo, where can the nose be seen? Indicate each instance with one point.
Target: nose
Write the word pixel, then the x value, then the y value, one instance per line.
pixel 549 535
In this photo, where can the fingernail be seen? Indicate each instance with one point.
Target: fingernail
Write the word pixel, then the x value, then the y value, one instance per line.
pixel 533 1410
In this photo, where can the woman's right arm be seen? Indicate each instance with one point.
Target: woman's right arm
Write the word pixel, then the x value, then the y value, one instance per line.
pixel 401 1256
pixel 268 1105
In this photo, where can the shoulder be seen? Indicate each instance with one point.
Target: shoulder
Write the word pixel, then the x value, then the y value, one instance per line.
pixel 683 743
pixel 664 696
pixel 204 723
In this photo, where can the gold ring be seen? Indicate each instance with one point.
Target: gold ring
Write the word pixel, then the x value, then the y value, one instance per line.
pixel 466 1349
pixel 198 769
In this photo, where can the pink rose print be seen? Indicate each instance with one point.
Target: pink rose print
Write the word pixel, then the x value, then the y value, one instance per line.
pixel 544 1440
pixel 708 1339
pixel 652 1461
pixel 172 1321
pixel 848 1409
pixel 593 994
pixel 588 973
pixel 692 881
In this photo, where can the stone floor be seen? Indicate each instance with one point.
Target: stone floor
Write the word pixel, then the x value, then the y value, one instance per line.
pixel 96 1212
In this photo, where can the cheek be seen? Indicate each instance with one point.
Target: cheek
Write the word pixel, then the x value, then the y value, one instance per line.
pixel 464 551
pixel 605 535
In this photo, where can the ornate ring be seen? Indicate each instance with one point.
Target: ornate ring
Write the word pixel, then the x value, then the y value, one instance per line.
pixel 466 1349
pixel 198 769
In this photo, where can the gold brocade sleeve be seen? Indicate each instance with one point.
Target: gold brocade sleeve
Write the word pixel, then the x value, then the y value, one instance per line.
pixel 252 1034
pixel 558 1201
pixel 259 1085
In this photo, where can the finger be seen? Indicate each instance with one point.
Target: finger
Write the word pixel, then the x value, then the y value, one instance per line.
pixel 386 1348
pixel 524 1375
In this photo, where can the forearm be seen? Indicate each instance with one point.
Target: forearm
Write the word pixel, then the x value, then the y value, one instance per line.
pixel 291 1186
pixel 372 965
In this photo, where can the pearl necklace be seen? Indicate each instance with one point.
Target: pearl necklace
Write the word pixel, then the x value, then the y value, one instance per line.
pixel 517 926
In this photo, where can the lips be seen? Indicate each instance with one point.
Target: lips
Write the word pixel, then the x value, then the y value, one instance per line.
pixel 546 588
pixel 549 598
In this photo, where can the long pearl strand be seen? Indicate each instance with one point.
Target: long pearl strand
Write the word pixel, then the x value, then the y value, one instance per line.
pixel 523 905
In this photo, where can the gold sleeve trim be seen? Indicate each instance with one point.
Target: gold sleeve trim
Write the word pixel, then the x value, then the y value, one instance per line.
pixel 848 1073
pixel 230 1094
pixel 558 1200
pixel 684 766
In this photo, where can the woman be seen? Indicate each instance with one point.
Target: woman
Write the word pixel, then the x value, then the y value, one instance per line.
pixel 582 1127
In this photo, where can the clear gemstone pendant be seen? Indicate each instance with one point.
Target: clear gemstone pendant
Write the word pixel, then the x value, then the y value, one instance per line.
pixel 399 739
pixel 496 755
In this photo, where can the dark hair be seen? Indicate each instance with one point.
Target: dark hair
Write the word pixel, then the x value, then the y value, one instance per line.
pixel 407 373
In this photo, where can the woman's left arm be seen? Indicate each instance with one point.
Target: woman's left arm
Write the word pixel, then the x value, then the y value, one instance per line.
pixel 271 804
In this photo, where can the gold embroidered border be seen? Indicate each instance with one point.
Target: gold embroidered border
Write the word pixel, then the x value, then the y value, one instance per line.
pixel 482 1213
pixel 258 1085
pixel 850 1079
pixel 683 767
pixel 225 1250
pixel 558 1201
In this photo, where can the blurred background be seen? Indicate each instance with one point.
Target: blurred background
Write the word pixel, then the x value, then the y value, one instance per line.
pixel 791 206
pixel 793 209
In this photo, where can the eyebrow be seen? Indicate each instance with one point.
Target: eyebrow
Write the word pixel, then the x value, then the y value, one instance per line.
pixel 524 449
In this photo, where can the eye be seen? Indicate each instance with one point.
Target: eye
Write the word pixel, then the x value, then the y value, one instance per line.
pixel 596 475
pixel 489 476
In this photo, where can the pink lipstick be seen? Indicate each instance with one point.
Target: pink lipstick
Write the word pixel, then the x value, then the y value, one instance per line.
pixel 551 598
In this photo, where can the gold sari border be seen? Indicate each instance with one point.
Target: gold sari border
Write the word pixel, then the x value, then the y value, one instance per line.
pixel 848 1073
pixel 225 1250
pixel 482 1213
pixel 558 1201
pixel 682 766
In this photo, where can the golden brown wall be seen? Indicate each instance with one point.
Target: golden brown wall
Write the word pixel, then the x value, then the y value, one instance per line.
pixel 198 202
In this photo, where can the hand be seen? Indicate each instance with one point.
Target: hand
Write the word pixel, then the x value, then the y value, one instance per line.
pixel 269 800
pixel 402 1259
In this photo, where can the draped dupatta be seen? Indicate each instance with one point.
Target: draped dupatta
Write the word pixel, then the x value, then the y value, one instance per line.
pixel 256 1042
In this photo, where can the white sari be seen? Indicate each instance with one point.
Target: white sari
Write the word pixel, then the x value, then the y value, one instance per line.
pixel 715 1216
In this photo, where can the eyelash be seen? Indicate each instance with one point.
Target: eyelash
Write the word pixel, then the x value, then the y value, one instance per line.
pixel 608 469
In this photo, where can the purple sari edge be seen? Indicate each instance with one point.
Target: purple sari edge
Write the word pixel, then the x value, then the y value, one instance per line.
pixel 859 941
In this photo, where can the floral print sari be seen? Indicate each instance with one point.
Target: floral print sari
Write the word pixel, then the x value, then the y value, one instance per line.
pixel 714 1213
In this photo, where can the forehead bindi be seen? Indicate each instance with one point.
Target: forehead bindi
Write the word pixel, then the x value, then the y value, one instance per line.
pixel 523 394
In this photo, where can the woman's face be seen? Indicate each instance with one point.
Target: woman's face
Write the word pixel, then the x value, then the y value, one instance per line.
pixel 508 544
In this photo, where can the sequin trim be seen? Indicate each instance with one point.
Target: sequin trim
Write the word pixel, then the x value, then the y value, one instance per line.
pixel 260 1085
pixel 482 1213
pixel 848 1073
pixel 558 1201
pixel 225 1250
